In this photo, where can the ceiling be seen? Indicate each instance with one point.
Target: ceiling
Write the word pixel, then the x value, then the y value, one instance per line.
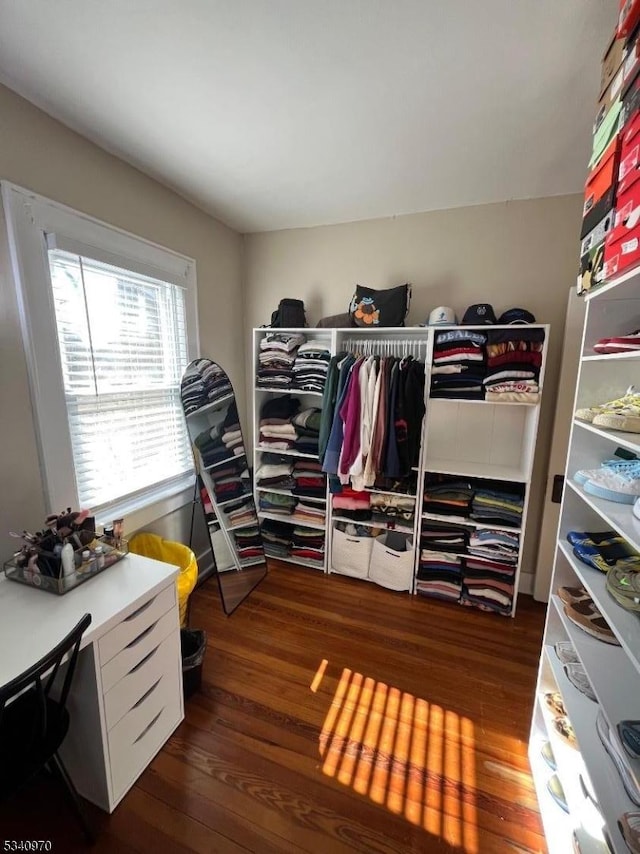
pixel 272 114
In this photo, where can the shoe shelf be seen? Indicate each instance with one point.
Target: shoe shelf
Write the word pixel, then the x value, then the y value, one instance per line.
pixel 288 453
pixel 291 519
pixel 315 498
pixel 613 515
pixel 607 666
pixel 626 625
pixel 630 441
pixel 607 785
pixel 468 523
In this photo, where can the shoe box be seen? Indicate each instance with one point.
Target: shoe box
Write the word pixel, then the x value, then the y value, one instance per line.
pixel 599 191
pixel 622 243
pixel 628 17
pixel 592 255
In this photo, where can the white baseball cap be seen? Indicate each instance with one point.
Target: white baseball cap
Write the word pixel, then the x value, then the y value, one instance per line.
pixel 442 316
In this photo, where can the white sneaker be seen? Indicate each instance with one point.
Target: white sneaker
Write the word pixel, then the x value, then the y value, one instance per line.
pixel 621 485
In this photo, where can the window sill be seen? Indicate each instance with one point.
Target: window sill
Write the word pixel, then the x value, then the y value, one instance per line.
pixel 144 510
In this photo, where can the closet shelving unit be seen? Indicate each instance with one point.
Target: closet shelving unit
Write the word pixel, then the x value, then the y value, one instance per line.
pixel 614 671
pixel 465 438
pixel 220 528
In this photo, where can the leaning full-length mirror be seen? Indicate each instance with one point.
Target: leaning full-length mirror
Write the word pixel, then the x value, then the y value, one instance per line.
pixel 224 480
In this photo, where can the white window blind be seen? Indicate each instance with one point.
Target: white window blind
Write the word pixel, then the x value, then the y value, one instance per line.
pixel 123 348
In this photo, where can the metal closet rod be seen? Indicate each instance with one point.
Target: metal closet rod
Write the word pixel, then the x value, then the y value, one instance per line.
pixel 385 347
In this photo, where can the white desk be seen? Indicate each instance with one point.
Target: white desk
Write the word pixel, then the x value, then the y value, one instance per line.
pixel 126 698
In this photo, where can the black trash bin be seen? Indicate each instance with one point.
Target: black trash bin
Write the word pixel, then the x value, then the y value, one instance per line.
pixel 193 644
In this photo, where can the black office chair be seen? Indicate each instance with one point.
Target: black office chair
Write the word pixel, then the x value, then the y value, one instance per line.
pixel 33 723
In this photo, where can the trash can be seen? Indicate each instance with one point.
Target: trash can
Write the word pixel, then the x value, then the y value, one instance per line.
pixel 193 644
pixel 153 546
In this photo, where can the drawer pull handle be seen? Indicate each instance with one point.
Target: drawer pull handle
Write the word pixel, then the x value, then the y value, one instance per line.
pixel 146 695
pixel 142 635
pixel 143 661
pixel 139 610
pixel 148 727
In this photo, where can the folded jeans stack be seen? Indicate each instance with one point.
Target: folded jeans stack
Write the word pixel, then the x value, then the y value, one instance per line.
pixel 488 585
pixel 278 351
pixel 459 365
pixel 497 506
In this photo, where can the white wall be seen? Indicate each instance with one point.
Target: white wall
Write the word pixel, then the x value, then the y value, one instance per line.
pixel 512 254
pixel 42 155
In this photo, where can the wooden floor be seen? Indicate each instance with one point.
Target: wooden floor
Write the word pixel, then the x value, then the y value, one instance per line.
pixel 334 717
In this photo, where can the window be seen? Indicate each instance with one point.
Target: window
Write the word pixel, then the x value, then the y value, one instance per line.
pixel 109 327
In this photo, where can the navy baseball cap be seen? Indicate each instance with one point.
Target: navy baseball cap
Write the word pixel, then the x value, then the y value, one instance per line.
pixel 481 314
pixel 516 315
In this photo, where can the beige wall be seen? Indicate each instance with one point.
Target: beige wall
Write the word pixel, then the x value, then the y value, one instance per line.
pixel 42 155
pixel 512 254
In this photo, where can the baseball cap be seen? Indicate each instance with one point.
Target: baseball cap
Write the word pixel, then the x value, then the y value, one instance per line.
pixel 479 314
pixel 516 315
pixel 442 316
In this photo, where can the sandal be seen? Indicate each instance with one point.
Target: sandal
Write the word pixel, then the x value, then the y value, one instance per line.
pixel 553 701
pixel 571 595
pixel 564 729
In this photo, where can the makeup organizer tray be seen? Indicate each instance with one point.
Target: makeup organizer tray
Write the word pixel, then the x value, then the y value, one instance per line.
pixel 49 575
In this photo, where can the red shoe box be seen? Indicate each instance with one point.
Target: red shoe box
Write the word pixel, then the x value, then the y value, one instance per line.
pixel 629 168
pixel 629 17
pixel 603 178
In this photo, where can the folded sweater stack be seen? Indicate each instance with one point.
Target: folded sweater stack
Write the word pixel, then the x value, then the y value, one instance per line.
pixel 308 544
pixel 307 427
pixel 249 544
pixel 441 536
pixel 448 498
pixel 352 504
pixel 459 364
pixel 488 585
pixel 439 575
pixel 309 479
pixel 277 432
pixel 278 351
pixel 514 359
pixel 498 507
pixel 495 545
pixel 310 367
pixel 202 383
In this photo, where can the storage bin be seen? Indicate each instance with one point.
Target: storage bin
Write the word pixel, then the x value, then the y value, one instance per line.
pixel 388 566
pixel 350 555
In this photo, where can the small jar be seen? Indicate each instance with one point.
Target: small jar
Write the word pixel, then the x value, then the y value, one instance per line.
pixel 86 557
pixel 99 557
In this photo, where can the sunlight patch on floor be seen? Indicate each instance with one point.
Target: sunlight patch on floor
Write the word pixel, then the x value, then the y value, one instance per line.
pixel 411 757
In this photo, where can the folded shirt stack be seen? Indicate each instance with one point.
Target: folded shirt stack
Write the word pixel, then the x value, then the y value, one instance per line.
pixel 276 475
pixel 392 509
pixel 309 479
pixel 459 364
pixel 278 351
pixel 203 382
pixel 448 498
pixel 249 544
pixel 242 513
pixel 498 545
pixel 498 507
pixel 274 502
pixel 211 447
pixel 352 504
pixel 276 537
pixel 439 575
pixel 308 544
pixel 448 538
pixel 277 432
pixel 310 367
pixel 233 484
pixel 514 359
pixel 308 511
pixel 488 585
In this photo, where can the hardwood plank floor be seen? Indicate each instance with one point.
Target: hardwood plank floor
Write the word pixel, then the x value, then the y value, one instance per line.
pixel 334 717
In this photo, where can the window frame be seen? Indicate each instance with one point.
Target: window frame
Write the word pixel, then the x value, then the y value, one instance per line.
pixel 30 218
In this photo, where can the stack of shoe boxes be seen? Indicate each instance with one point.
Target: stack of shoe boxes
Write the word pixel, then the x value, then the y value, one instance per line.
pixel 611 217
pixel 600 188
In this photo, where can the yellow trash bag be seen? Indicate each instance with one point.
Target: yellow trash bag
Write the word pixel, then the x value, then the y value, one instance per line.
pixel 153 546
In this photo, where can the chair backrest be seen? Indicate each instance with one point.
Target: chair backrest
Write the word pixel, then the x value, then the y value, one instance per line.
pixel 41 676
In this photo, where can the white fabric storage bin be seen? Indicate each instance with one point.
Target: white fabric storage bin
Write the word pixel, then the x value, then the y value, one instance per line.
pixel 350 554
pixel 389 567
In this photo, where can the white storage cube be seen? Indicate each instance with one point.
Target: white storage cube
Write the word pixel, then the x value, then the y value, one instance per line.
pixel 391 568
pixel 350 554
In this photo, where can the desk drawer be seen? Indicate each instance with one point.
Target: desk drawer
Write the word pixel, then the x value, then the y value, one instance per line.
pixel 135 624
pixel 130 657
pixel 137 737
pixel 131 689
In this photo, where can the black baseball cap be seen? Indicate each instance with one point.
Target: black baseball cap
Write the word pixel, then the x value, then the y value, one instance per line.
pixel 481 314
pixel 516 315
